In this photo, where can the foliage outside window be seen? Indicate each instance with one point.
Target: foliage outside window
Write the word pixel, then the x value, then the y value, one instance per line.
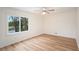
pixel 17 24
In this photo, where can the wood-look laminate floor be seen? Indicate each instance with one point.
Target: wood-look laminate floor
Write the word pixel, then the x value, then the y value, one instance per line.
pixel 44 42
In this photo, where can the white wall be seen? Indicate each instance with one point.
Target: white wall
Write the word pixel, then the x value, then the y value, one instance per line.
pixel 78 27
pixel 62 24
pixel 35 26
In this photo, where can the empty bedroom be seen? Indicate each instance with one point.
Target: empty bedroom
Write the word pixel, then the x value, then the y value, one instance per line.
pixel 39 29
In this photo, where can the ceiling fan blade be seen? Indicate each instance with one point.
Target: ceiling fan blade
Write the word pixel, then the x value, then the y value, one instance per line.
pixel 47 12
pixel 51 10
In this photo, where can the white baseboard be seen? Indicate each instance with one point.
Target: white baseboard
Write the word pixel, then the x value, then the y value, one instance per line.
pixel 62 35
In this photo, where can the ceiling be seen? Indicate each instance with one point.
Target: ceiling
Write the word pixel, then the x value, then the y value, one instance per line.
pixel 39 9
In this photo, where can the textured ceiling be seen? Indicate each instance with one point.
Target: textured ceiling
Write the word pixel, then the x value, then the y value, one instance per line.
pixel 39 9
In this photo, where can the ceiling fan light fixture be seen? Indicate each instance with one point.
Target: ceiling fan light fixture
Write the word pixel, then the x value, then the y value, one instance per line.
pixel 43 13
pixel 44 9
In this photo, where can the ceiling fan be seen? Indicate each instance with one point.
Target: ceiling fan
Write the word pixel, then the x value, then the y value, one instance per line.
pixel 46 10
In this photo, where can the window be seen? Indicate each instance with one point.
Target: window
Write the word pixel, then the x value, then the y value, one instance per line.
pixel 17 24
pixel 24 24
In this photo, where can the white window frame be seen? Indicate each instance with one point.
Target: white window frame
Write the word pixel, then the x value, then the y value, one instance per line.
pixel 19 26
